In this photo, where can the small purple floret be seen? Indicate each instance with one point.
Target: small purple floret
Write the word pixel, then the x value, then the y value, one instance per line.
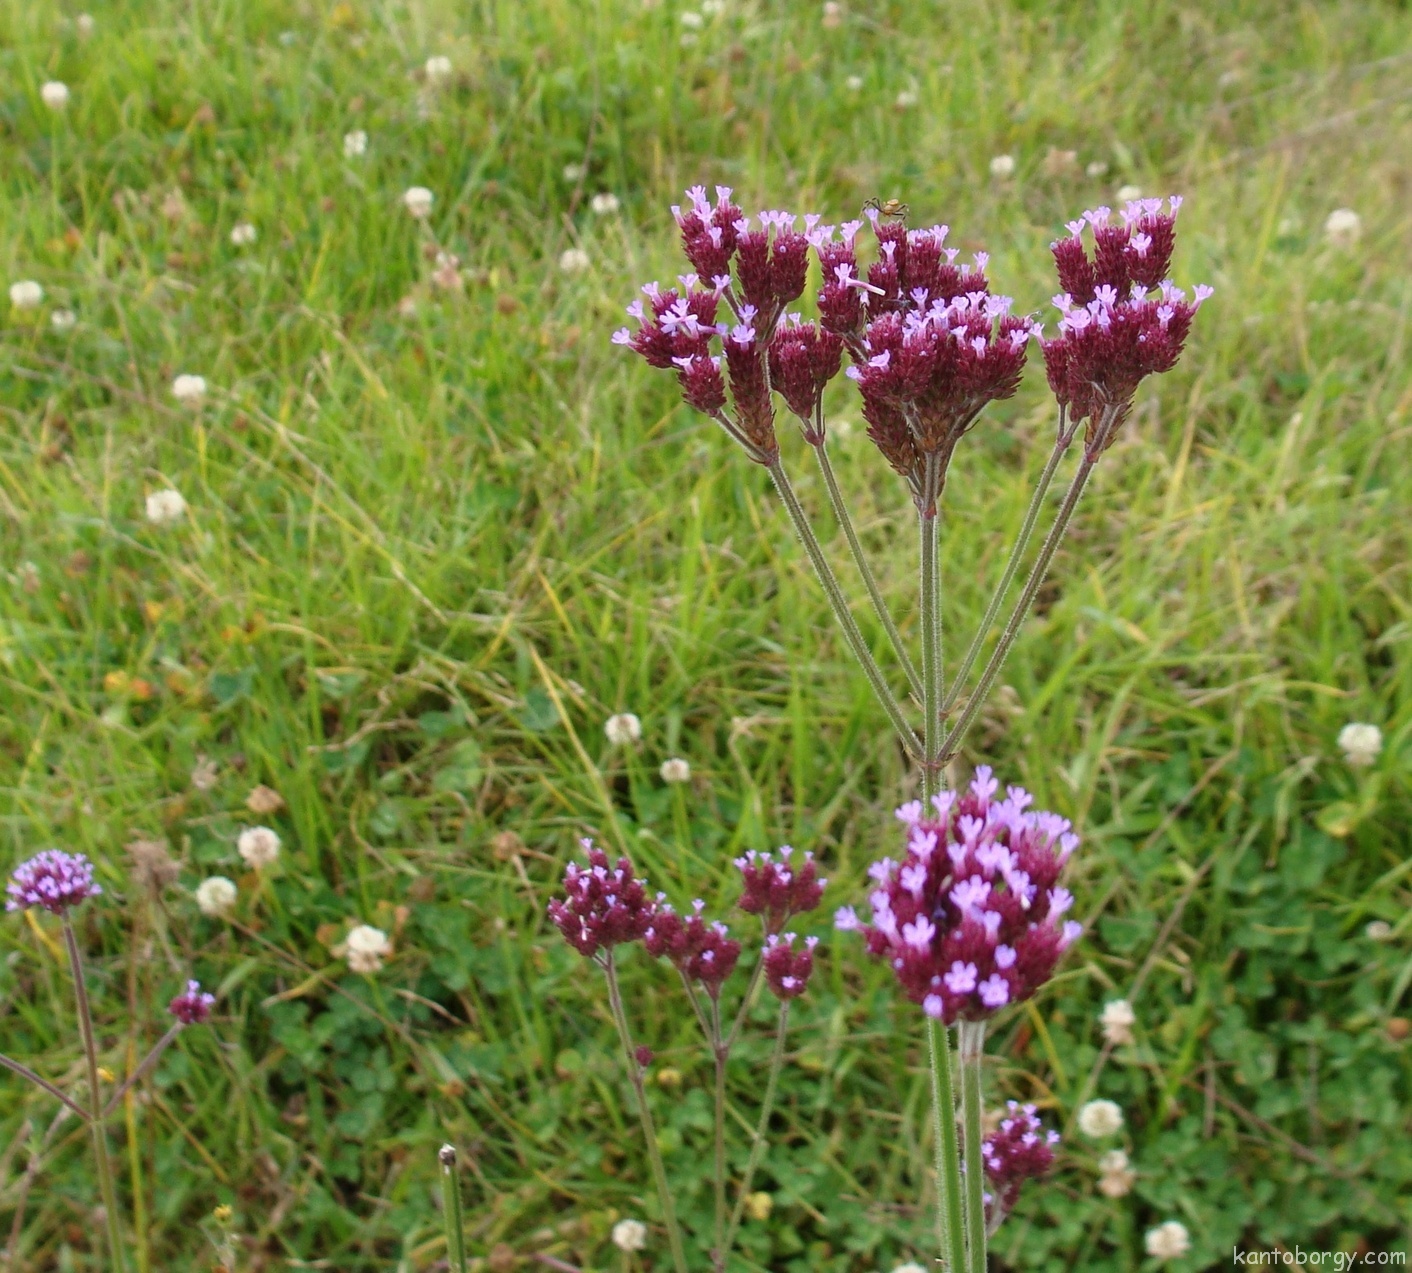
pixel 52 879
pixel 193 1007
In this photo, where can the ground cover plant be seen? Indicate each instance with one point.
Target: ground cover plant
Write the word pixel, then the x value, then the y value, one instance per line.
pixel 335 532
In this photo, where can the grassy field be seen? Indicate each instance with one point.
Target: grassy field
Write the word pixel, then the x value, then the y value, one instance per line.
pixel 438 529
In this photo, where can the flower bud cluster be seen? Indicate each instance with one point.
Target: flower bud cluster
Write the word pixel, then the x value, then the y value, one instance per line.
pixel 52 879
pixel 1018 1150
pixel 1112 332
pixel 787 971
pixel 701 951
pixel 931 345
pixel 192 1006
pixel 775 890
pixel 604 905
pixel 972 918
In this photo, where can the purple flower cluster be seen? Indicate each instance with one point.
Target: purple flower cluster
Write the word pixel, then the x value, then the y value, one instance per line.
pixel 1018 1150
pixel 972 919
pixel 52 879
pixel 775 890
pixel 787 971
pixel 604 906
pixel 193 1006
pixel 701 951
pixel 1113 332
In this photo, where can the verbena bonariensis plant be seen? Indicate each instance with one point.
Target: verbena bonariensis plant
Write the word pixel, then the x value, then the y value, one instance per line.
pixel 57 882
pixel 971 918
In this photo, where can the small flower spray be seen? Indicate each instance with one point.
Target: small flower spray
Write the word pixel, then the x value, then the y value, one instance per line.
pixel 972 919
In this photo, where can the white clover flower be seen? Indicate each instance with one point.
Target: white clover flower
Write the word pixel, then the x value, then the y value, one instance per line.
pixel 604 204
pixel 26 294
pixel 833 16
pixel 1168 1241
pixel 205 774
pixel 574 261
pixel 55 95
pixel 242 234
pixel 1117 1020
pixel 215 896
pixel 906 100
pixel 1100 1118
pixel 1097 168
pixel 438 68
pixel 85 24
pixel 189 390
pixel 692 20
pixel 62 320
pixel 1343 228
pixel 623 729
pixel 1378 930
pixel 1116 1177
pixel 418 200
pixel 355 144
pixel 165 507
pixel 574 172
pixel 853 83
pixel 1360 743
pixel 1002 167
pixel 676 770
pixel 259 846
pixel 366 947
pixel 1125 194
pixel 630 1235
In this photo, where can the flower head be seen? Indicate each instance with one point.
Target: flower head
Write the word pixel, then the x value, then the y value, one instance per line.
pixel 787 971
pixel 622 729
pixel 603 905
pixel 701 951
pixel 1100 1118
pixel 1112 332
pixel 355 144
pixel 775 889
pixel 1168 1241
pixel 1002 167
pixel 62 320
pixel 604 204
pixel 259 846
pixel 85 25
pixel 574 260
pixel 366 947
pixel 418 200
pixel 264 800
pixel 438 68
pixel 165 507
pixel 1118 1019
pixel 52 879
pixel 216 895
pixel 972 918
pixel 1360 743
pixel 243 233
pixel 26 294
pixel 189 390
pixel 55 95
pixel 676 770
pixel 192 1006
pixel 1018 1150
pixel 630 1235
pixel 1343 228
pixel 1116 1177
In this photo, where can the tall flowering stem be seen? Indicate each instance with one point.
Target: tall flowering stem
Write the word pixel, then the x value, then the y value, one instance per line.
pixel 452 1217
pixel 951 1230
pixel 757 1146
pixel 971 1036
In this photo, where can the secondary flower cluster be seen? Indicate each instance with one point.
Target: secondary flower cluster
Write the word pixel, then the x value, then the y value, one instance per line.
pixel 606 906
pixel 192 1006
pixel 52 879
pixel 972 918
pixel 1018 1150
pixel 1112 332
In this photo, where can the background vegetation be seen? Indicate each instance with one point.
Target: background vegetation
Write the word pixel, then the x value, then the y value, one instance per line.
pixel 436 535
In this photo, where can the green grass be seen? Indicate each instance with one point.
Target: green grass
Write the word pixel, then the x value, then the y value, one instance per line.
pixel 411 534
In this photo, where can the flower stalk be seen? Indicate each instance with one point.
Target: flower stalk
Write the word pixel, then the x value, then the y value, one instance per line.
pixel 757 1145
pixel 951 1230
pixel 452 1216
pixel 971 1046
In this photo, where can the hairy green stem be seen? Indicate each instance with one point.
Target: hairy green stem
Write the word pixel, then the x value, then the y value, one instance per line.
pixel 757 1147
pixel 1016 554
pixel 95 1102
pixel 839 604
pixel 719 1053
pixel 931 655
pixel 840 512
pixel 971 1038
pixel 951 1230
pixel 451 1215
pixel 649 1129
pixel 1022 607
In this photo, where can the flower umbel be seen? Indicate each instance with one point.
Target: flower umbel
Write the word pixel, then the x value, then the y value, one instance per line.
pixel 192 1006
pixel 52 879
pixel 972 918
pixel 775 890
pixel 702 951
pixel 604 905
pixel 1018 1150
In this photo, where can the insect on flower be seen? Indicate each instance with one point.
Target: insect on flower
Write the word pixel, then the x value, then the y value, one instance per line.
pixel 893 208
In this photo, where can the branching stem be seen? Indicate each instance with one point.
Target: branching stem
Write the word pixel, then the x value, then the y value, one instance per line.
pixel 951 1231
pixel 757 1147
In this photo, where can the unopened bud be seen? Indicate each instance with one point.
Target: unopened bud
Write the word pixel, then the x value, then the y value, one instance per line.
pixel 447 1156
